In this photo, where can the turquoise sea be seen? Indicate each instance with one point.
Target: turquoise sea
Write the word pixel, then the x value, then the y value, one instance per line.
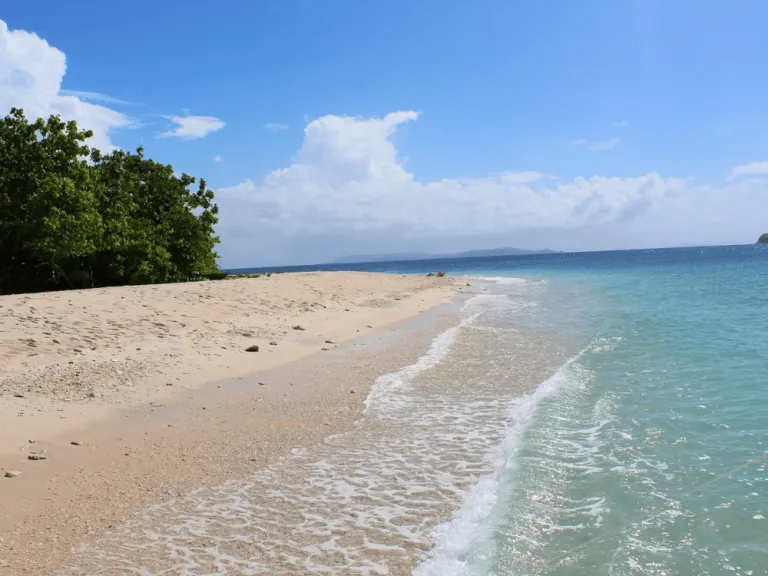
pixel 648 450
pixel 592 414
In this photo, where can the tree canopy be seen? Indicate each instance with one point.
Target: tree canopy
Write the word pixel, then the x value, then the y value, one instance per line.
pixel 72 217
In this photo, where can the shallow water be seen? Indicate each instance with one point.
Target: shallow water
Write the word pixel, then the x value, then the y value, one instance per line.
pixel 602 416
pixel 647 451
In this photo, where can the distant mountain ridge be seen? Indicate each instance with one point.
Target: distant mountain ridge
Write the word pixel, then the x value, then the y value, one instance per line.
pixel 398 256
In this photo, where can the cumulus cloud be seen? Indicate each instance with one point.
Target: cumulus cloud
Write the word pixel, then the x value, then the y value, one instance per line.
pixel 276 126
pixel 192 127
pixel 751 169
pixel 31 73
pixel 347 191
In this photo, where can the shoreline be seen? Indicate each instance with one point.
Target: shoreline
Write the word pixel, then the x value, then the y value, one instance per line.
pixel 136 453
pixel 69 358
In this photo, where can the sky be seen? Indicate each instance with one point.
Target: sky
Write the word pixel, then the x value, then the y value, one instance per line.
pixel 338 127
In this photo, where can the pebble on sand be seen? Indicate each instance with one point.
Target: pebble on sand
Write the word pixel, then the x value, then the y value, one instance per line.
pixel 13 473
pixel 76 443
pixel 37 457
pixel 330 341
pixel 298 327
pixel 253 348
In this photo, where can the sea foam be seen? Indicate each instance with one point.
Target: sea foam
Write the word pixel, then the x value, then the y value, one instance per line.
pixel 465 539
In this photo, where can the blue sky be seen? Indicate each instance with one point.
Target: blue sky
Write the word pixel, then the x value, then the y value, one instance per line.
pixel 652 104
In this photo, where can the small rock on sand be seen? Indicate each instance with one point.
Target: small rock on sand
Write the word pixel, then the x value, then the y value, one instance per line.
pixel 352 391
pixel 325 349
pixel 253 348
pixel 273 343
pixel 262 383
pixel 330 342
pixel 76 443
pixel 298 327
pixel 13 473
pixel 37 457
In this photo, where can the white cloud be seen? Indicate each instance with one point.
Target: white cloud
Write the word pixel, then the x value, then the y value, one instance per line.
pixel 31 73
pixel 604 145
pixel 598 146
pixel 522 177
pixel 621 124
pixel 347 192
pixel 218 159
pixel 751 169
pixel 93 96
pixel 192 127
pixel 276 126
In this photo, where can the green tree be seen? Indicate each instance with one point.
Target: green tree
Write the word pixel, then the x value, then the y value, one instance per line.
pixel 48 214
pixel 156 229
pixel 119 218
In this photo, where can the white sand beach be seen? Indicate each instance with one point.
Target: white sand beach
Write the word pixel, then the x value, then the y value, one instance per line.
pixel 133 395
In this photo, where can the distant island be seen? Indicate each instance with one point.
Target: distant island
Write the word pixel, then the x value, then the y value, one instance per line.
pixel 399 256
pixel 763 239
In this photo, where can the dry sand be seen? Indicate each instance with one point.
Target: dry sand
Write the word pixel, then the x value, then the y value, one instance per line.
pixel 136 394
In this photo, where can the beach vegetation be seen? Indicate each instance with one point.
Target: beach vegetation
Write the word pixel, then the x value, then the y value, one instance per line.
pixel 216 276
pixel 74 217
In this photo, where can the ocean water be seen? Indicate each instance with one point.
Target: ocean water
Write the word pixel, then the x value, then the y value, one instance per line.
pixel 590 414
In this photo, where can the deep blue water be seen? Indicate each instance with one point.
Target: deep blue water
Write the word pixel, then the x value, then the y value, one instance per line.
pixel 546 263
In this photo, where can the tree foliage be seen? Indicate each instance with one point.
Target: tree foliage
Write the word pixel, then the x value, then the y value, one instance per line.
pixel 72 217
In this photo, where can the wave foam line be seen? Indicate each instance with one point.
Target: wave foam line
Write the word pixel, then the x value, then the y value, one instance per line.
pixel 460 537
pixel 437 352
pixel 499 279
